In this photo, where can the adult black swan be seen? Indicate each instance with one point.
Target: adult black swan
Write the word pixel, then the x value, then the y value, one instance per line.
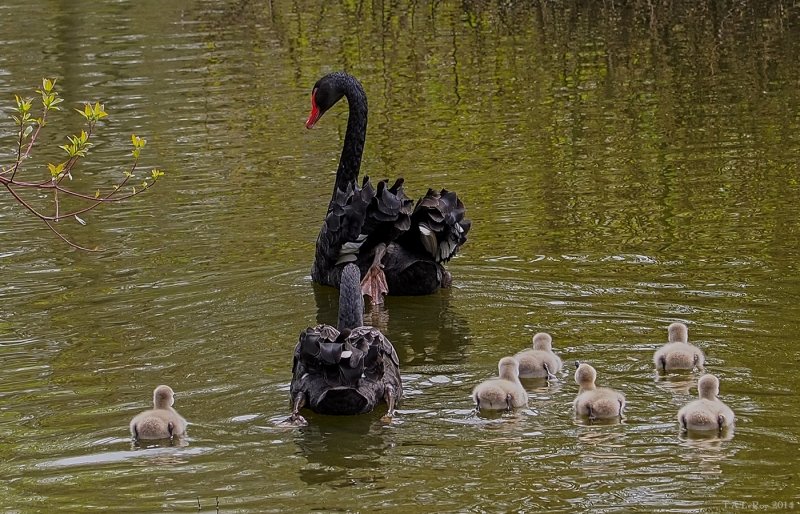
pixel 399 249
pixel 349 370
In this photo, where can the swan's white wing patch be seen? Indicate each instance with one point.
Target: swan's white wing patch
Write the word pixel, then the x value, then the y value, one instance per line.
pixel 349 251
pixel 428 238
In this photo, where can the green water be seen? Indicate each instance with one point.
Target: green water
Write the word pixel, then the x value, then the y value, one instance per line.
pixel 625 165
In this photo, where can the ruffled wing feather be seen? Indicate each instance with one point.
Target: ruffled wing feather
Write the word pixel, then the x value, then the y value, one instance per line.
pixel 357 221
pixel 438 226
pixel 362 360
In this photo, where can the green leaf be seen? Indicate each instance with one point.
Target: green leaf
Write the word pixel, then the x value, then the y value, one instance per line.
pixel 99 111
pixel 55 170
pixel 156 173
pixel 137 141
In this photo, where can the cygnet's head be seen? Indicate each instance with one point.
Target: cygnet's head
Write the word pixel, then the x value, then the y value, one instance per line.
pixel 542 341
pixel 163 397
pixel 508 368
pixel 585 374
pixel 708 387
pixel 678 333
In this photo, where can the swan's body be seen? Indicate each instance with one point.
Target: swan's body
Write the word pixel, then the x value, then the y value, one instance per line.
pixel 349 370
pixel 708 412
pixel 162 421
pixel 540 361
pixel 596 402
pixel 399 248
pixel 502 393
pixel 678 353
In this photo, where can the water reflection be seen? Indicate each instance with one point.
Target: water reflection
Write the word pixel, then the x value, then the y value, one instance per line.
pixel 705 439
pixel 336 447
pixel 601 435
pixel 541 388
pixel 152 455
pixel 675 381
pixel 172 442
pixel 423 329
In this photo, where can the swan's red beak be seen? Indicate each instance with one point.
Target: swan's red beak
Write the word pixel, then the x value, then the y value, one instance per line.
pixel 315 113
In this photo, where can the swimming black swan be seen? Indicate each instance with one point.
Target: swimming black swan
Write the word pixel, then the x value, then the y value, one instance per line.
pixel 345 371
pixel 399 250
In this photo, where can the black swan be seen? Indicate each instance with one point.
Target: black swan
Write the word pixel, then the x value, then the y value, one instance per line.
pixel 345 371
pixel 399 249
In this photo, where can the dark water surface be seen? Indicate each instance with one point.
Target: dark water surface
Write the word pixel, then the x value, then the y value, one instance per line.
pixel 625 166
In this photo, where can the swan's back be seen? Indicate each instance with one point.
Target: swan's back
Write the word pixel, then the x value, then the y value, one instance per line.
pixel 345 375
pixel 677 356
pixel 600 403
pixel 157 424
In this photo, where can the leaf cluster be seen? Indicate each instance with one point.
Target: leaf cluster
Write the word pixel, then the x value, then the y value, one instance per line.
pixel 77 147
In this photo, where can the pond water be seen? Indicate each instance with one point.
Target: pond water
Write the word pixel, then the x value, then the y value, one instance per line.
pixel 625 165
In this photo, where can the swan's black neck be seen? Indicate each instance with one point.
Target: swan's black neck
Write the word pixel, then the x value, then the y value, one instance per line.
pixel 353 148
pixel 351 301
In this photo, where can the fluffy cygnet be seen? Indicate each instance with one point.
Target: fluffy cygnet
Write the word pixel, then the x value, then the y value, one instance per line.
pixel 678 353
pixel 540 361
pixel 162 421
pixel 502 393
pixel 596 402
pixel 708 412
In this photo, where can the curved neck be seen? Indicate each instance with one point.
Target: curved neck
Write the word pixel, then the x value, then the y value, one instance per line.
pixel 708 390
pixel 510 375
pixel 353 148
pixel 351 300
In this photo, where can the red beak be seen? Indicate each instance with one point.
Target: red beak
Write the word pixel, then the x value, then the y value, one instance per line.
pixel 315 114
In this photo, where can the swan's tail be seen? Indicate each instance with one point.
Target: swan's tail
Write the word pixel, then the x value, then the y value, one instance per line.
pixel 439 225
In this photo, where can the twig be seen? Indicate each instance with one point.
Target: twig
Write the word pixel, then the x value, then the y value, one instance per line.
pixel 77 147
